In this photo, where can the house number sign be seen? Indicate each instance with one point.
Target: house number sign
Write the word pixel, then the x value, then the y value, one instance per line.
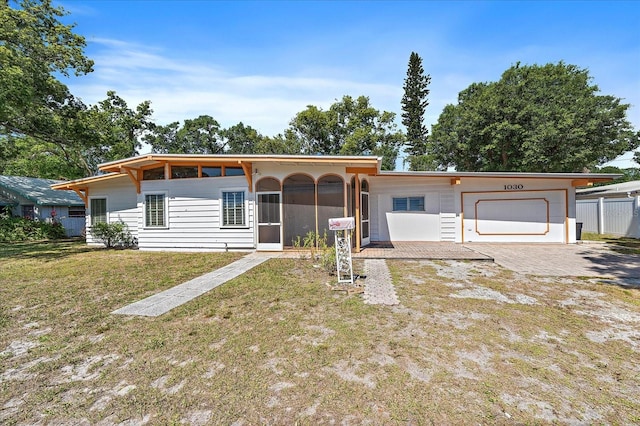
pixel 513 187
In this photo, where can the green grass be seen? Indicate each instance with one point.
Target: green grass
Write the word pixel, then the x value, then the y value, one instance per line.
pixel 276 345
pixel 621 245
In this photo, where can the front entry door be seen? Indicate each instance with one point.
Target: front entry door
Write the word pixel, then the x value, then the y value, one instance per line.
pixel 269 221
pixel 364 218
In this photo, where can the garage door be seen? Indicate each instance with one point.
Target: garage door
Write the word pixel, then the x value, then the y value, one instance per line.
pixel 524 216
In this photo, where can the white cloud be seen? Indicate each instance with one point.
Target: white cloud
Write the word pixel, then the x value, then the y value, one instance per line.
pixel 179 90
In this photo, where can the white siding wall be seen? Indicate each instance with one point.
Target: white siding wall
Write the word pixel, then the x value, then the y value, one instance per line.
pixel 194 215
pixel 121 204
pixel 448 216
pixel 388 225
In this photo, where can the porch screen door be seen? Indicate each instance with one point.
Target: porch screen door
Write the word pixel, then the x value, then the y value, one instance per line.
pixel 269 221
pixel 364 221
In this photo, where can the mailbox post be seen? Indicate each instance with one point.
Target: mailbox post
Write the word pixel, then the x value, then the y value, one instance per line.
pixel 342 227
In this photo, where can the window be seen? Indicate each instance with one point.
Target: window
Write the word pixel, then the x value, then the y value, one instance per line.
pixel 154 210
pixel 233 171
pixel 411 204
pixel 211 171
pixel 153 174
pixel 233 209
pixel 181 172
pixel 77 211
pixel 28 212
pixel 98 210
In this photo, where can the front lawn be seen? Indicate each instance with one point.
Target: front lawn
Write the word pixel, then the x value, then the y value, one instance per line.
pixel 470 343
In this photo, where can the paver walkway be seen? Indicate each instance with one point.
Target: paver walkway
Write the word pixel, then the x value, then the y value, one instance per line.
pixel 378 288
pixel 585 260
pixel 160 303
pixel 419 250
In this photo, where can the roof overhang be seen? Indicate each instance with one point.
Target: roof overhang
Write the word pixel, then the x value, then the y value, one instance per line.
pixel 84 182
pixel 578 179
pixel 151 160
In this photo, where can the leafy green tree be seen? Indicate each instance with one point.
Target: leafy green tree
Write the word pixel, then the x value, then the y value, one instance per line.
pixel 281 144
pixel 241 139
pixel 535 119
pixel 349 127
pixel 112 131
pixel 32 157
pixel 35 47
pixel 628 174
pixel 414 104
pixel 201 135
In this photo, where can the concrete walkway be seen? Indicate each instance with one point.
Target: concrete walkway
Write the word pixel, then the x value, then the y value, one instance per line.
pixel 160 303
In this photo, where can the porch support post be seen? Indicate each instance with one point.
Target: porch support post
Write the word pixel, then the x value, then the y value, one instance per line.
pixel 357 213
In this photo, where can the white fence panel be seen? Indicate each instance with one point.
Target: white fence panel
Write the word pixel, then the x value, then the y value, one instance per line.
pixel 587 213
pixel 617 216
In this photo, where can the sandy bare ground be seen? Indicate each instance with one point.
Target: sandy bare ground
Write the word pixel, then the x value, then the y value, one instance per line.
pixel 469 343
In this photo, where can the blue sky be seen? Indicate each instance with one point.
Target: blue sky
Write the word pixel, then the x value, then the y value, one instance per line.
pixel 262 62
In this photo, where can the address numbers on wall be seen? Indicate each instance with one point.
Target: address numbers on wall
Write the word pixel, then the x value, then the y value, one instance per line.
pixel 513 187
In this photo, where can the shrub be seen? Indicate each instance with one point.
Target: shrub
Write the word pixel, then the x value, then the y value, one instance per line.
pixel 114 234
pixel 14 229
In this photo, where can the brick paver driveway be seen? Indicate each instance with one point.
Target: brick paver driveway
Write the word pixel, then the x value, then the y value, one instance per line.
pixel 582 260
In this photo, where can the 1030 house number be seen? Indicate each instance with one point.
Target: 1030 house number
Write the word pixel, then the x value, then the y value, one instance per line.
pixel 513 187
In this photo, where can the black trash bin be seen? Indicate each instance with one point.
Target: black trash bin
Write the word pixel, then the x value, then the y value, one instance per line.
pixel 578 230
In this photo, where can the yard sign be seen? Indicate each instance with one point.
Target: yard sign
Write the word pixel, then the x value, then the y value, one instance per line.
pixel 342 227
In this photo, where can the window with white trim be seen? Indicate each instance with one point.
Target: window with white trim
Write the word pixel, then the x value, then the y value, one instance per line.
pixel 233 208
pixel 154 211
pixel 98 210
pixel 408 204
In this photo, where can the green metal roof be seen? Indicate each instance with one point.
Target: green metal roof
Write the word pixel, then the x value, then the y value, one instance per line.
pixel 39 191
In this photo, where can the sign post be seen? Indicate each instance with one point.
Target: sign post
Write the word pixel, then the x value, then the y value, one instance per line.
pixel 342 227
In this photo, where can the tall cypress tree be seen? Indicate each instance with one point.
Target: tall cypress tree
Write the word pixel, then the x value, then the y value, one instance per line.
pixel 414 104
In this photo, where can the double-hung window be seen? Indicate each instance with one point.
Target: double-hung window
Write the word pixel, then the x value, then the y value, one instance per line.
pixel 154 211
pixel 98 210
pixel 233 208
pixel 408 204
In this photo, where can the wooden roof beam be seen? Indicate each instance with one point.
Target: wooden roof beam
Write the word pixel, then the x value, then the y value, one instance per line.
pixel 371 171
pixel 248 170
pixel 581 182
pixel 133 175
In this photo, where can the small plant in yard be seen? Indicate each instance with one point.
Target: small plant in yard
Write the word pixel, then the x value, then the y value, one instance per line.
pixel 114 234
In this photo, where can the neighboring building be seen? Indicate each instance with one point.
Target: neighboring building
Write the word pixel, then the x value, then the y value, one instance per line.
pixel 33 198
pixel 610 209
pixel 265 202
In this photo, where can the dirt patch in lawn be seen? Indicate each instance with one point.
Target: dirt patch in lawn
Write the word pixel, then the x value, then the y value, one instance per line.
pixel 470 342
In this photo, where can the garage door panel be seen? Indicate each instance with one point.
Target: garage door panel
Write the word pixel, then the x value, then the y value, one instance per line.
pixel 535 216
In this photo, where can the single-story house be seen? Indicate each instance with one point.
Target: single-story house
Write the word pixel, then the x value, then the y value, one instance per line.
pixel 610 209
pixel 35 199
pixel 265 202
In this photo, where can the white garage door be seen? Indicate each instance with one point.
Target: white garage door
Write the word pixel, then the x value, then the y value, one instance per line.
pixel 523 216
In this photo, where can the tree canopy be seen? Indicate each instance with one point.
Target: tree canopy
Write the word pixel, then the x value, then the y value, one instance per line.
pixel 349 127
pixel 414 104
pixel 198 136
pixel 535 119
pixel 34 46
